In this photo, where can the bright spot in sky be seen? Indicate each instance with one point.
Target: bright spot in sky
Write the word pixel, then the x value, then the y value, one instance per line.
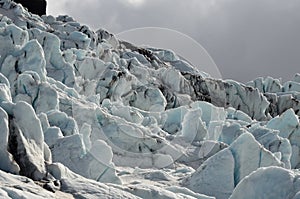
pixel 136 2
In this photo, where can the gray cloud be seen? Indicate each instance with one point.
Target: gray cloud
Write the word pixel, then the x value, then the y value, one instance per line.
pixel 246 39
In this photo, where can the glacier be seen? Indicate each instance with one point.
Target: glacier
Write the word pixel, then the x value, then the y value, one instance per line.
pixel 84 114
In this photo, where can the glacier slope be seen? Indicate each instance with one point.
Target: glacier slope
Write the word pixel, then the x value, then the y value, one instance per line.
pixel 85 115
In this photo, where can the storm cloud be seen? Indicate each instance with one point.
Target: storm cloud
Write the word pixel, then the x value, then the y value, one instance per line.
pixel 246 39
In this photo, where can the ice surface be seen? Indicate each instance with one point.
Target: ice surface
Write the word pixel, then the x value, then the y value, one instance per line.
pixel 13 186
pixel 288 126
pixel 7 162
pixel 230 166
pixel 26 141
pixel 267 85
pixel 215 177
pixel 271 182
pixel 193 129
pixel 86 115
pixel 249 155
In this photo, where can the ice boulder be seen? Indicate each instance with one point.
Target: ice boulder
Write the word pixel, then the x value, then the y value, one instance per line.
pixel 288 126
pixel 269 182
pixel 95 164
pixel 40 95
pixel 29 58
pixel 247 99
pixel 26 141
pixel 226 93
pixel 297 78
pixel 11 38
pixel 237 115
pixel 291 86
pixel 90 68
pixel 215 177
pixel 67 125
pixel 172 119
pixel 249 155
pixel 51 135
pixel 212 116
pixel 5 93
pixel 56 64
pixel 195 155
pixel 148 99
pixel 7 162
pixel 231 130
pixel 102 163
pixel 125 137
pixel 230 166
pixel 266 85
pixel 193 129
pixel 271 141
pixel 286 123
pixel 47 99
pixel 104 35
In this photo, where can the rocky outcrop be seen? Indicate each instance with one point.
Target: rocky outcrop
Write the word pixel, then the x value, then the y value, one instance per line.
pixel 37 7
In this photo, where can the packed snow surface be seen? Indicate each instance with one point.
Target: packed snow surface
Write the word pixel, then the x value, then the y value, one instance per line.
pixel 85 115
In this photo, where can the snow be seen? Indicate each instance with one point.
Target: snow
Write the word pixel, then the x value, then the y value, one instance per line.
pixel 86 115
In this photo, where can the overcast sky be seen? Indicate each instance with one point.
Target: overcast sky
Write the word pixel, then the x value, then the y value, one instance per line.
pixel 245 38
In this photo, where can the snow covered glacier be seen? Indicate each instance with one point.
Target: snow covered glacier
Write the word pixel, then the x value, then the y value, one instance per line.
pixel 85 115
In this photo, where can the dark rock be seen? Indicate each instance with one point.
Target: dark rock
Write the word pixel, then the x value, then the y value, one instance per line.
pixel 34 6
pixel 52 186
